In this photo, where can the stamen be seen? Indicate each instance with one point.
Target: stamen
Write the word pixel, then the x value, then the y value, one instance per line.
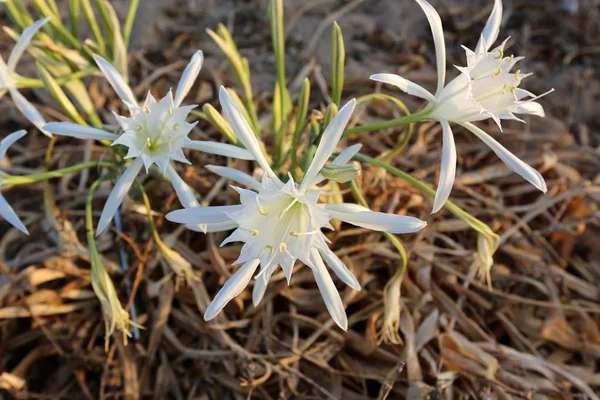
pixel 513 90
pixel 509 59
pixel 147 110
pixel 270 248
pixel 504 88
pixel 261 210
pixel 518 75
pixel 254 232
pixel 500 54
pixel 282 247
pixel 287 208
pixel 304 233
pixel 139 127
pixel 497 74
pixel 170 110
pixel 176 126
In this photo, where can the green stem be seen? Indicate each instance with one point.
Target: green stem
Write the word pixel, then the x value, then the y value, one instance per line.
pixel 23 82
pixel 24 180
pixel 409 119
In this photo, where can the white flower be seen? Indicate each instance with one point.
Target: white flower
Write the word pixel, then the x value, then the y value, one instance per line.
pixel 9 78
pixel 6 210
pixel 486 88
pixel 280 223
pixel 155 133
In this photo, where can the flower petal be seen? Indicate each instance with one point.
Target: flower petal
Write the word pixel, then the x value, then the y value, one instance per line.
pixel 405 85
pixel 203 215
pixel 29 111
pixel 329 292
pixel 235 175
pixel 221 149
pixel 491 29
pixel 79 131
pixel 340 269
pixel 513 162
pixel 530 107
pixel 10 215
pixel 118 194
pixel 329 141
pixel 377 221
pixel 188 77
pixel 447 169
pixel 24 41
pixel 116 80
pixel 438 40
pixel 233 287
pixel 243 131
pixel 9 140
pixel 213 227
pixel 185 194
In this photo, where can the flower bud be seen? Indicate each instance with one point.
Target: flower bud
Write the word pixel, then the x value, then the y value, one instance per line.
pixel 340 173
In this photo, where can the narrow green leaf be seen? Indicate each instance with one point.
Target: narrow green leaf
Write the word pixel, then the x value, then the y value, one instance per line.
pixel 74 11
pixel 127 28
pixel 338 57
pixel 216 119
pixel 119 48
pixel 56 91
pixel 88 12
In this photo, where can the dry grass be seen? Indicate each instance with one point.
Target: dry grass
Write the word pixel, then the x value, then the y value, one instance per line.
pixel 536 334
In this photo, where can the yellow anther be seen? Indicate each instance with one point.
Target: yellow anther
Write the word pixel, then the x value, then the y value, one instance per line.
pixel 500 54
pixel 509 59
pixel 176 126
pixel 504 88
pixel 513 90
pixel 518 75
pixel 139 127
pixel 270 248
pixel 254 232
pixel 293 233
pixel 170 110
pixel 261 210
pixel 147 110
pixel 282 247
pixel 497 74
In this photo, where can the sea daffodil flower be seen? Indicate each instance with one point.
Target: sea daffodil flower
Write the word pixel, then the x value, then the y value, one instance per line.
pixel 154 133
pixel 280 223
pixel 486 88
pixel 6 210
pixel 9 78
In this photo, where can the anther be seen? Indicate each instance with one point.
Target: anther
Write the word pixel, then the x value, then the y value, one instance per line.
pixel 270 248
pixel 509 59
pixel 500 54
pixel 518 75
pixel 504 88
pixel 147 110
pixel 176 126
pixel 497 74
pixel 139 127
pixel 170 110
pixel 287 208
pixel 261 210
pixel 254 232
pixel 282 247
pixel 513 90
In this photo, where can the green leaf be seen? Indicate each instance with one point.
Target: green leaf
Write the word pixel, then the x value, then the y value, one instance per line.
pixel 338 57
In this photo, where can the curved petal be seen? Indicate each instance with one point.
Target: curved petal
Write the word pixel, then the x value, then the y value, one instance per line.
pixel 447 169
pixel 116 80
pixel 79 131
pixel 10 215
pixel 340 269
pixel 513 162
pixel 213 227
pixel 491 29
pixel 260 285
pixel 188 77
pixel 24 41
pixel 235 175
pixel 329 141
pixel 118 194
pixel 530 107
pixel 203 215
pixel 438 40
pixel 329 292
pixel 243 131
pixel 9 140
pixel 405 85
pixel 221 149
pixel 233 287
pixel 29 111
pixel 376 221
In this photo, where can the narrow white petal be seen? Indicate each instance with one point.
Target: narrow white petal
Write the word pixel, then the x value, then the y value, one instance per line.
pixel 24 41
pixel 29 111
pixel 233 287
pixel 329 141
pixel 377 221
pixel 243 131
pixel 491 29
pixel 203 215
pixel 116 80
pixel 329 292
pixel 447 169
pixel 340 269
pixel 78 131
pixel 511 161
pixel 9 140
pixel 185 194
pixel 190 73
pixel 118 194
pixel 221 149
pixel 10 215
pixel 405 85
pixel 531 107
pixel 212 227
pixel 438 40
pixel 235 175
